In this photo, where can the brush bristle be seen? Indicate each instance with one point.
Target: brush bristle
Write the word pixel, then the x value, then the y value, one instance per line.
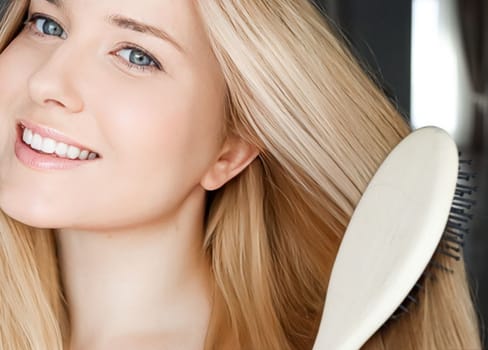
pixel 452 242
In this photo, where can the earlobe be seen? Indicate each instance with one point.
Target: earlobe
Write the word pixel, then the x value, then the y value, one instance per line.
pixel 236 155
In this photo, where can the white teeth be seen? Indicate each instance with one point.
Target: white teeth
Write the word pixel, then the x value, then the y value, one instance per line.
pixel 61 149
pixel 73 152
pixel 50 146
pixel 36 142
pixel 84 155
pixel 27 136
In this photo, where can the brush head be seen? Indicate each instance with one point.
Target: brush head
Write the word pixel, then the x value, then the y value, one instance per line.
pixel 391 237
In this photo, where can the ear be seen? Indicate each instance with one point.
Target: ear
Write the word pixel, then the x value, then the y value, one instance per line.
pixel 235 156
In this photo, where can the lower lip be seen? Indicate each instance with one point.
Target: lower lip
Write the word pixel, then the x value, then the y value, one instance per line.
pixel 41 161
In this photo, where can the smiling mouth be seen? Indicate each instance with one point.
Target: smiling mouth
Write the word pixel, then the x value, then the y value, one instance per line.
pixel 49 146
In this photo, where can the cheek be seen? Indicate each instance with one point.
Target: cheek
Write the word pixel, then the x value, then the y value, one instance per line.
pixel 18 62
pixel 158 143
pixel 13 76
pixel 16 65
pixel 161 127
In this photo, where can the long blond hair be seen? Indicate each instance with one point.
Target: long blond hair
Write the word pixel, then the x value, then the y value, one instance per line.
pixel 323 127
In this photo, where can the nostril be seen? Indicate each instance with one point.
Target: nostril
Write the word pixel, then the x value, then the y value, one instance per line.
pixel 54 102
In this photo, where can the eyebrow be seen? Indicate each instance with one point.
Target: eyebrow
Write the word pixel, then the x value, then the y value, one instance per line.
pixel 132 24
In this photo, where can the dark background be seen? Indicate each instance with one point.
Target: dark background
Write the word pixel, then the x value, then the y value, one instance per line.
pixel 379 32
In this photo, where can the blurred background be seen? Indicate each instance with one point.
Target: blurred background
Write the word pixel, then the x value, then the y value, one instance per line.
pixel 431 57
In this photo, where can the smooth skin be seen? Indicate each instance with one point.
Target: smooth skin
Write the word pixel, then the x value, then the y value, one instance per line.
pixel 129 225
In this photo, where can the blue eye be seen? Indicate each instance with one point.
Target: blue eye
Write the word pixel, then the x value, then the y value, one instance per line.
pixel 138 58
pixel 46 26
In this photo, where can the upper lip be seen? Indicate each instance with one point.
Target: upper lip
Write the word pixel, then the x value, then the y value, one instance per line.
pixel 54 134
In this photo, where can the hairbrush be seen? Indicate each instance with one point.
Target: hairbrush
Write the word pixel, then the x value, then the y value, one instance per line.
pixel 412 208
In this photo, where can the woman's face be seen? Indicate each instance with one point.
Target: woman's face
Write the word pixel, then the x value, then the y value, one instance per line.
pixel 132 83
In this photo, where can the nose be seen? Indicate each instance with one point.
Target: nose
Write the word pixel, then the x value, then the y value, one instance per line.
pixel 54 82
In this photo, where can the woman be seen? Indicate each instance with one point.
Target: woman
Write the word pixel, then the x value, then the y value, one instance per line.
pixel 178 174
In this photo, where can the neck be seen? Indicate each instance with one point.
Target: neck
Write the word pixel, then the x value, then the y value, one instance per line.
pixel 153 280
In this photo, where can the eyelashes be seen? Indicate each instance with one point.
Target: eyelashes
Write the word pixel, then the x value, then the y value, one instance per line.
pixel 136 57
pixel 133 56
pixel 45 26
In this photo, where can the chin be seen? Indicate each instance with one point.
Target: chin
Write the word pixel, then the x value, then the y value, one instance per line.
pixel 30 216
